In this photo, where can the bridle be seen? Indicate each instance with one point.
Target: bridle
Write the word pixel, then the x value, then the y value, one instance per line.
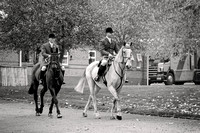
pixel 53 62
pixel 124 61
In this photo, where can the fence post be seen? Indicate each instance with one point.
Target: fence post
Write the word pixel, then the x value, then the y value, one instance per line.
pixel 20 58
pixel 65 61
pixel 147 69
pixel 91 56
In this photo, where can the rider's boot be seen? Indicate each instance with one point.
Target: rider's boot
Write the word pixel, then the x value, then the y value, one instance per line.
pixel 100 73
pixel 42 77
pixel 63 72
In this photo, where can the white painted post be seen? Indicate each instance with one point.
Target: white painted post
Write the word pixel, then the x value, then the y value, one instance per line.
pixel 139 58
pixel 147 69
pixel 20 58
pixel 65 61
pixel 91 56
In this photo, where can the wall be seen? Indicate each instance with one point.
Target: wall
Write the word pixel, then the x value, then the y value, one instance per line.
pixel 80 61
pixel 80 56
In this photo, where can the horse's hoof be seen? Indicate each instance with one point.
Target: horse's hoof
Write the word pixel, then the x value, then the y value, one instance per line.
pixel 50 115
pixel 84 114
pixel 37 114
pixel 41 110
pixel 97 116
pixel 59 116
pixel 112 118
pixel 119 117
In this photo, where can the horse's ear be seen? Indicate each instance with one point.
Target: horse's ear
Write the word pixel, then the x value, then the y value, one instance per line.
pixel 124 44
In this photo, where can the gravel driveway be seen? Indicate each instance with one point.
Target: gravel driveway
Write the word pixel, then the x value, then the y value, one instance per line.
pixel 17 117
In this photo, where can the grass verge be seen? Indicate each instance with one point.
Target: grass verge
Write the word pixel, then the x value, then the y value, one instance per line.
pixel 157 100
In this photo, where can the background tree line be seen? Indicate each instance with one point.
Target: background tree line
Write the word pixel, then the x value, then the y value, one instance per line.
pixel 156 27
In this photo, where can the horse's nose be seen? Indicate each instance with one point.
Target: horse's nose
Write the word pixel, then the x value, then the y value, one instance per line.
pixel 128 65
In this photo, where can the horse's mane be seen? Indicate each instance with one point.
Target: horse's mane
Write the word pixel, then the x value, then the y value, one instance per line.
pixel 119 56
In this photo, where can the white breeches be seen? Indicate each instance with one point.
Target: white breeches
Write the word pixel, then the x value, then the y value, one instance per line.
pixel 104 62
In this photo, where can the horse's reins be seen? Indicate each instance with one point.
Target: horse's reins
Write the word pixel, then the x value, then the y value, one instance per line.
pixel 122 73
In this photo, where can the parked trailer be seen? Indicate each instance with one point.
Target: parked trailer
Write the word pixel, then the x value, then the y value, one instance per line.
pixel 178 70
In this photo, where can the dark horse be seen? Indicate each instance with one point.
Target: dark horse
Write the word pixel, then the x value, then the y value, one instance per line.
pixel 52 81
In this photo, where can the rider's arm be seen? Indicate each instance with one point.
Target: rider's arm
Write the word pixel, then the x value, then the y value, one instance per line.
pixel 43 52
pixel 58 49
pixel 59 52
pixel 103 48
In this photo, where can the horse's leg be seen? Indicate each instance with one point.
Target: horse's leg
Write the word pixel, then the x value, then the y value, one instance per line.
pixel 91 85
pixel 113 109
pixel 56 102
pixel 119 112
pixel 51 108
pixel 86 106
pixel 35 85
pixel 97 88
pixel 89 101
pixel 115 94
pixel 43 91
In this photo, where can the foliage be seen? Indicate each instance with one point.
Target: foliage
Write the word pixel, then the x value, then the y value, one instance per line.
pixel 175 27
pixel 157 27
pixel 29 22
pixel 127 18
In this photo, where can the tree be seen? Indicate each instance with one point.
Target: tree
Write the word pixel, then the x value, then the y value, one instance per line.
pixel 153 25
pixel 29 23
pixel 128 18
pixel 177 24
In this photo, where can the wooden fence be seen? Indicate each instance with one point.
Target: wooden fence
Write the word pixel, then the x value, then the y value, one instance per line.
pixel 13 76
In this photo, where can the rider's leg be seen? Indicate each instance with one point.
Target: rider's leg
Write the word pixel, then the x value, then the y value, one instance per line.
pixel 101 70
pixel 42 74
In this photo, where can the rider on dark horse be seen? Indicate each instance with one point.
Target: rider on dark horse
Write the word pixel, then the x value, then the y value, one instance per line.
pixel 46 50
pixel 108 48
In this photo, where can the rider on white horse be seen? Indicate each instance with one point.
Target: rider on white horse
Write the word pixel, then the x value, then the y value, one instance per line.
pixel 108 49
pixel 46 50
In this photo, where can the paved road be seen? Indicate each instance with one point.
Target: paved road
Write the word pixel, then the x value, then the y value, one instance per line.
pixel 16 117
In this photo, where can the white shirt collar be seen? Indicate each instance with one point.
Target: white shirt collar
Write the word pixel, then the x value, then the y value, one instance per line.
pixel 51 44
pixel 109 39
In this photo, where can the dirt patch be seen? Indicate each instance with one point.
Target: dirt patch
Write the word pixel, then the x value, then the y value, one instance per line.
pixel 17 117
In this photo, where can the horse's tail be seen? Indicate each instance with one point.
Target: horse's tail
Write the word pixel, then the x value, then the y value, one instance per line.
pixel 31 89
pixel 33 78
pixel 81 84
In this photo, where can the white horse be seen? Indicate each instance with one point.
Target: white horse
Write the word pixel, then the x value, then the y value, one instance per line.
pixel 114 78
